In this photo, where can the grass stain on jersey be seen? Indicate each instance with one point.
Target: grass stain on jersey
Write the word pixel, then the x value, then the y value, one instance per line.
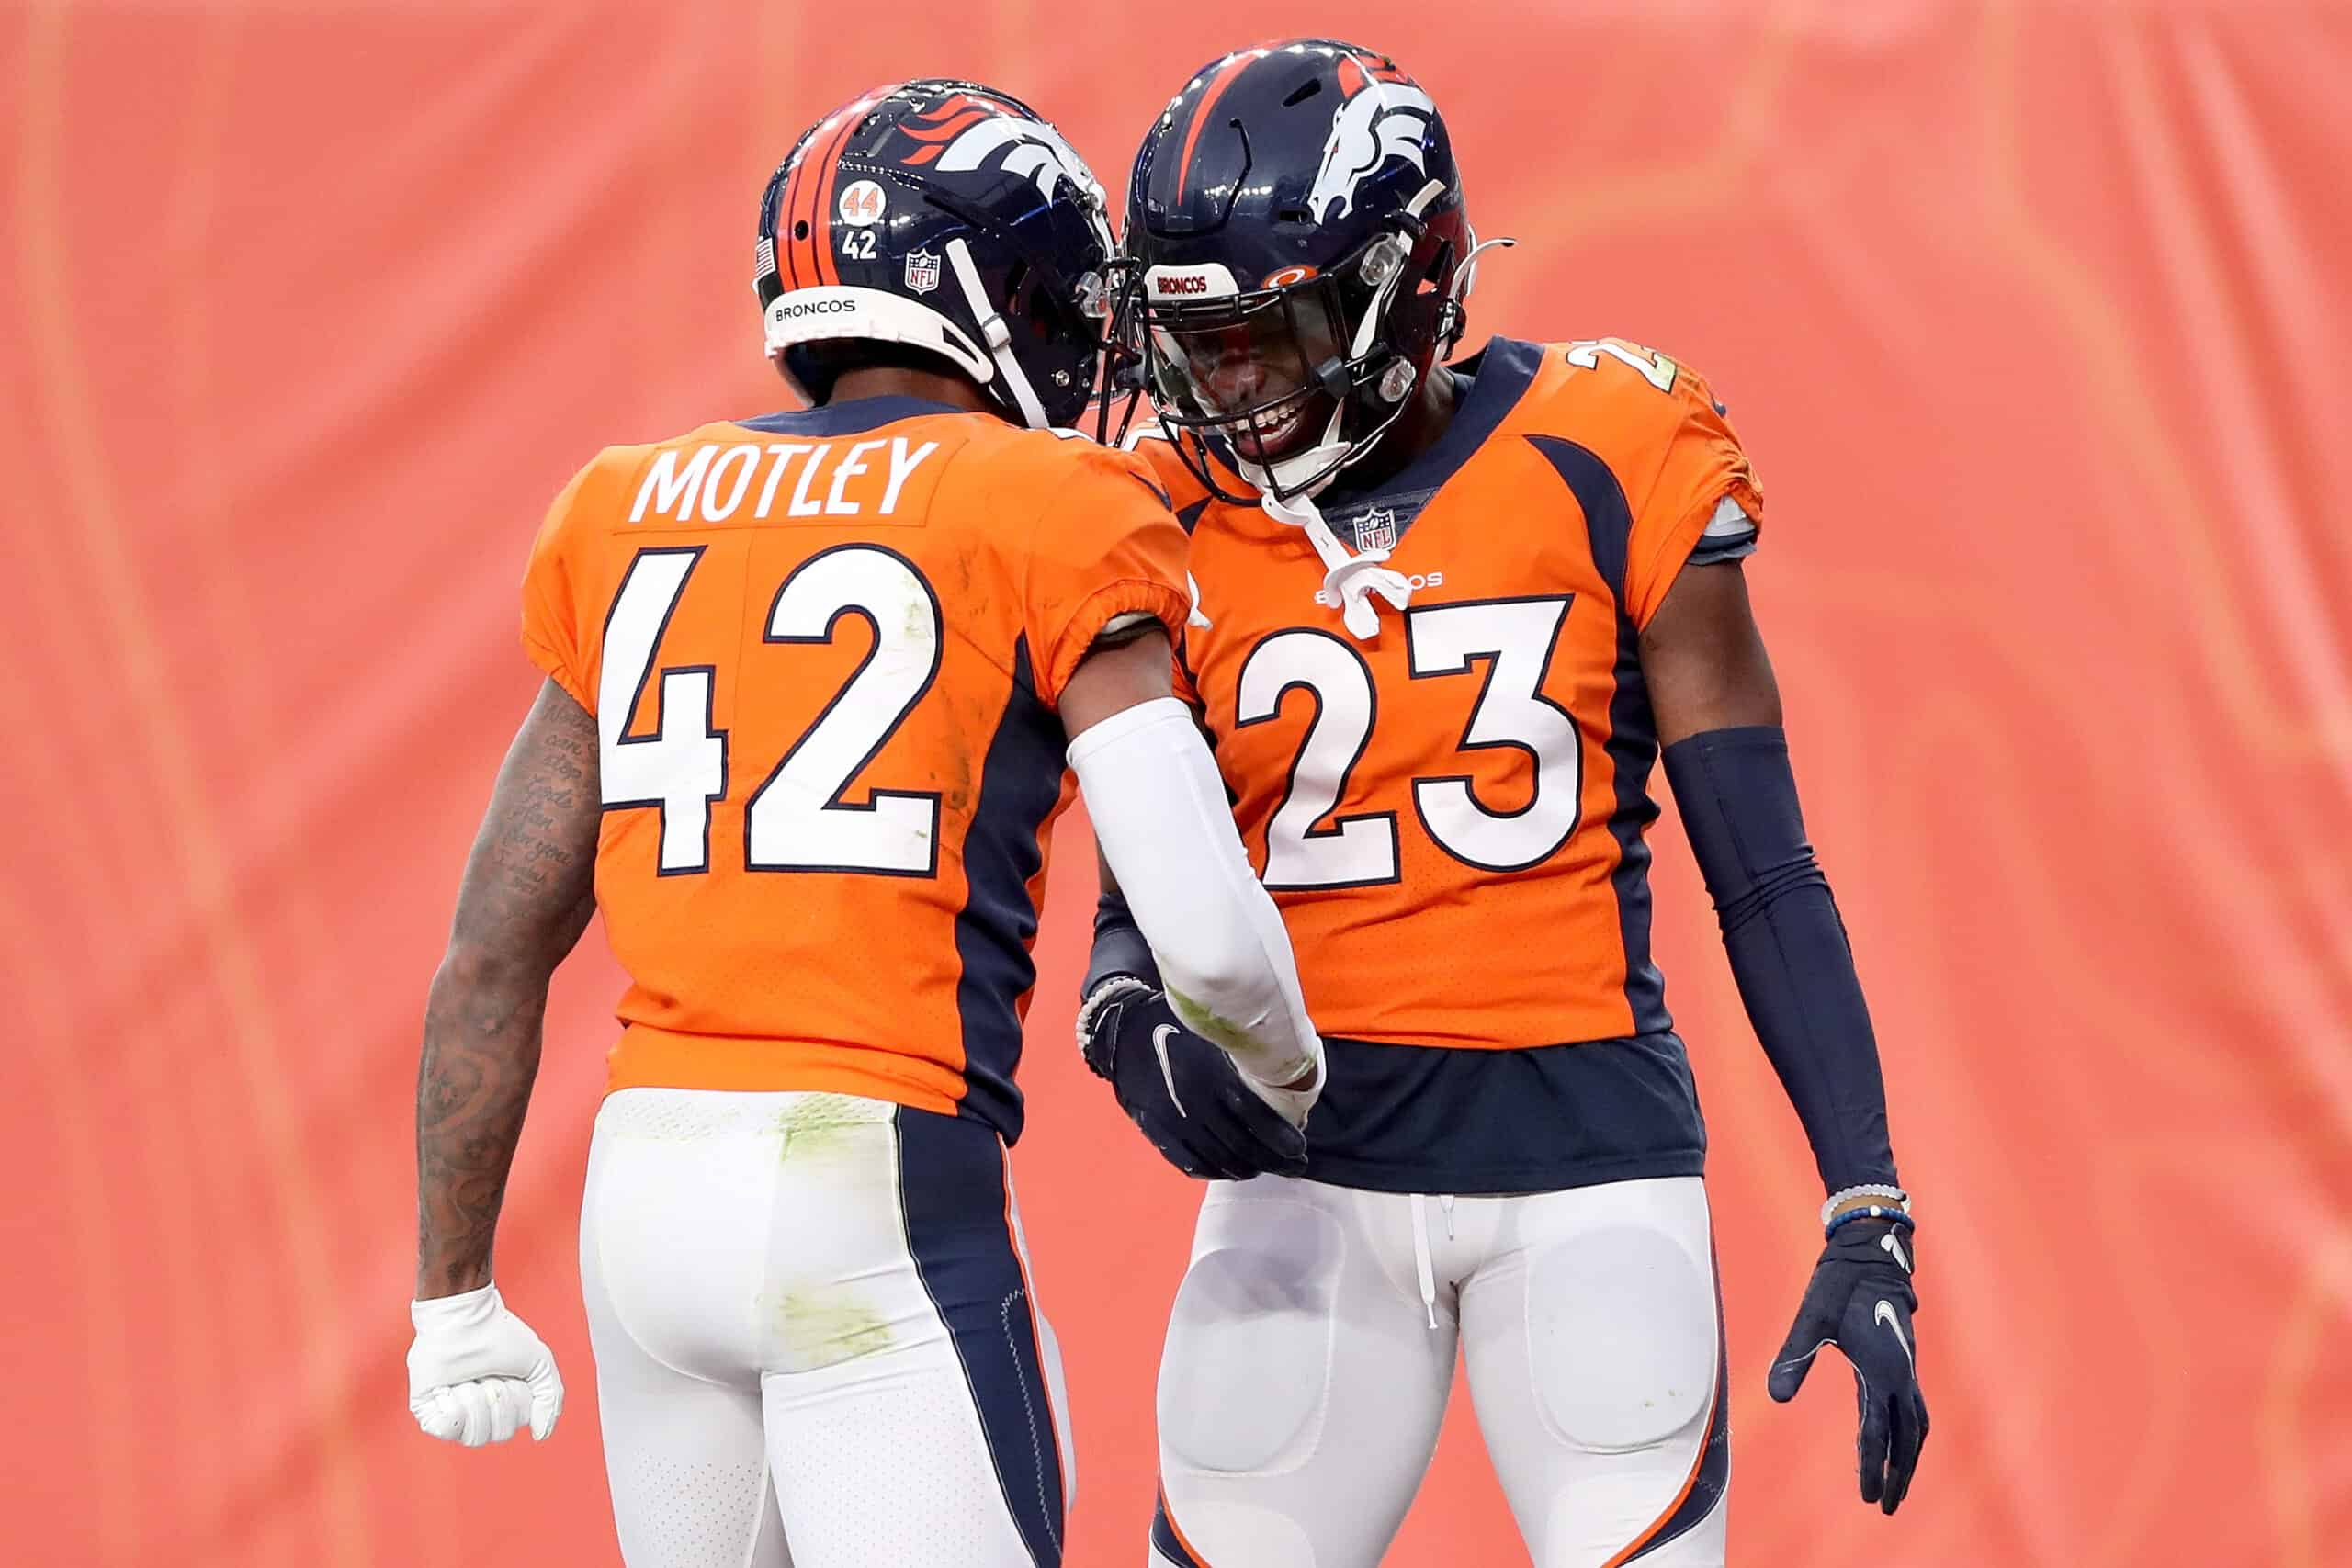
pixel 955 769
pixel 824 1328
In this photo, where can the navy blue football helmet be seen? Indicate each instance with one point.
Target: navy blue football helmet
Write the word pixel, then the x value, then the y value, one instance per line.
pixel 1298 254
pixel 948 219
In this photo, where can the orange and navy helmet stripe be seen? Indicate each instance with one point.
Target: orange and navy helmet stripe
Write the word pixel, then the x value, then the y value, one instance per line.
pixel 821 209
pixel 1356 72
pixel 803 239
pixel 788 213
pixel 820 212
pixel 1233 66
pixel 797 201
pixel 788 277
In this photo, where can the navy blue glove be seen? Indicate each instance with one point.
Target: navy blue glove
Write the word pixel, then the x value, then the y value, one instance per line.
pixel 1184 1093
pixel 1860 1299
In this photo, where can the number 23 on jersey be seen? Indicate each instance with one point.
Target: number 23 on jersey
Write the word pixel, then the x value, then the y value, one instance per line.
pixel 1514 639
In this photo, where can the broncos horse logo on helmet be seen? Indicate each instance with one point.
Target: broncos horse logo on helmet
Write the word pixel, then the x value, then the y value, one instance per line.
pixel 963 133
pixel 1370 128
pixel 1299 257
pixel 945 217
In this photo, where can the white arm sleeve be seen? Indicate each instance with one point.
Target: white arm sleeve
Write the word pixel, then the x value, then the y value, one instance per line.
pixel 1161 817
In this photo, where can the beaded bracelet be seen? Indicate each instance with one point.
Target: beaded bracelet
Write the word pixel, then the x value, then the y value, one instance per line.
pixel 1893 1195
pixel 1109 991
pixel 1901 1221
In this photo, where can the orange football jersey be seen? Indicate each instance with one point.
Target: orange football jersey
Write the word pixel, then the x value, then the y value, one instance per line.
pixel 824 650
pixel 1451 814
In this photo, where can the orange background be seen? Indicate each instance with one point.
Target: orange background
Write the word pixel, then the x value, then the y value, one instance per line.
pixel 2034 317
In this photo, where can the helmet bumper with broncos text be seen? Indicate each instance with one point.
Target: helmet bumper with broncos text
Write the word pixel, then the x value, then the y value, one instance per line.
pixel 947 217
pixel 1300 255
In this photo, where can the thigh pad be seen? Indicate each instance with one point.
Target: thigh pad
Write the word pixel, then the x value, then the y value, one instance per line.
pixel 1246 1373
pixel 1621 1336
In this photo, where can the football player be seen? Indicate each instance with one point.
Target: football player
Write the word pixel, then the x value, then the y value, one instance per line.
pixel 1448 620
pixel 815 685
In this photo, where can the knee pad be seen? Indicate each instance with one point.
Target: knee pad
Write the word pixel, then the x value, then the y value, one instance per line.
pixel 1621 1337
pixel 1243 1379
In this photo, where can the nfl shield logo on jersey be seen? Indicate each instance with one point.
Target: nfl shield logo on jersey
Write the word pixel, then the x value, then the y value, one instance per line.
pixel 922 271
pixel 1377 529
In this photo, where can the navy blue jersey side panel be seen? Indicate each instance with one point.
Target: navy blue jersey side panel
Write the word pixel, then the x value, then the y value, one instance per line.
pixel 1021 781
pixel 1633 731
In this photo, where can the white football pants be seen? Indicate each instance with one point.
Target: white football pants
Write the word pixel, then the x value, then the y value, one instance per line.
pixel 813 1324
pixel 1311 1351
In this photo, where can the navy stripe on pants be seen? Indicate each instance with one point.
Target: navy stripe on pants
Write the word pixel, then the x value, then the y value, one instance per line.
pixel 959 1230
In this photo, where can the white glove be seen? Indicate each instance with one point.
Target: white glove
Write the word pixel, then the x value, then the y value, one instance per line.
pixel 475 1371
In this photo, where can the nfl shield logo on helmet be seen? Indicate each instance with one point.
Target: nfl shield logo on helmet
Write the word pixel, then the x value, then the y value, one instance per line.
pixel 922 271
pixel 1377 529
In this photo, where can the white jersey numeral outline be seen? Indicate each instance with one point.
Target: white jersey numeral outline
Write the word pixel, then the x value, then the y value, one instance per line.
pixel 680 768
pixel 798 818
pixel 1355 851
pixel 1516 638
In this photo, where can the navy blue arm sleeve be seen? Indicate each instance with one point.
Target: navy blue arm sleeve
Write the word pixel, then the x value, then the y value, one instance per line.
pixel 1119 946
pixel 1788 946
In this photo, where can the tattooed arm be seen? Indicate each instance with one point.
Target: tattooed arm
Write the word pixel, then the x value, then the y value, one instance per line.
pixel 529 888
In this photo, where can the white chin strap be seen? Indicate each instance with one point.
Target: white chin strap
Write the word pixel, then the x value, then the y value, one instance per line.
pixel 1294 472
pixel 1349 580
pixel 995 334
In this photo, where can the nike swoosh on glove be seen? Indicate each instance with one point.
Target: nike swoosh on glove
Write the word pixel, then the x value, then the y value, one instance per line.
pixel 476 1371
pixel 1187 1096
pixel 1860 1299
